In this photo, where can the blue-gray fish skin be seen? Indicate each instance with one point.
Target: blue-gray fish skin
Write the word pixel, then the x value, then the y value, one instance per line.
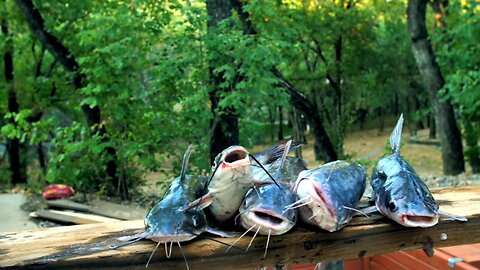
pixel 398 191
pixel 330 192
pixel 267 205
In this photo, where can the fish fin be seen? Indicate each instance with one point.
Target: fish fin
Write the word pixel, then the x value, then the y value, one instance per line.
pixel 449 216
pixel 368 210
pixel 201 203
pixel 277 151
pixel 221 233
pixel 186 158
pixel 396 136
pixel 132 237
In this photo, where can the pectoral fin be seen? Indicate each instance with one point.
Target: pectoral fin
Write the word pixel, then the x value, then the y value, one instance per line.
pixel 449 216
pixel 201 203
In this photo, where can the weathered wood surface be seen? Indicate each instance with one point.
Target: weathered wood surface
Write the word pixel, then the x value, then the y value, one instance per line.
pixel 71 247
pixel 71 217
pixel 100 207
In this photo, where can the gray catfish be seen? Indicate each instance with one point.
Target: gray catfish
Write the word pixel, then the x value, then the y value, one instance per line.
pixel 267 206
pixel 329 194
pixel 398 191
pixel 232 176
pixel 169 220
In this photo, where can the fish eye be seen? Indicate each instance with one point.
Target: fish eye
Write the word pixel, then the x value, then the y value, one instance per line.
pixel 392 207
pixel 382 176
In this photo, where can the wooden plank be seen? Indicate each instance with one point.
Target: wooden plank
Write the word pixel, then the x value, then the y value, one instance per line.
pixel 67 204
pixel 70 217
pixel 71 247
pixel 116 210
pixel 101 207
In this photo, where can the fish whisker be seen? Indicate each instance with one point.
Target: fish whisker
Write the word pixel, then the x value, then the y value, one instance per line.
pixel 168 252
pixel 297 206
pixel 314 215
pixel 238 239
pixel 251 241
pixel 356 210
pixel 183 254
pixel 218 241
pixel 151 255
pixel 269 175
pixel 237 216
pixel 268 241
pixel 297 202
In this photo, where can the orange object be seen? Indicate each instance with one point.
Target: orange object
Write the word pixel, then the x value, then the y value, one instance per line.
pixel 57 192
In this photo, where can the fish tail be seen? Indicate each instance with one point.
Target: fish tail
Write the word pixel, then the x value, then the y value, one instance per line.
pixel 396 136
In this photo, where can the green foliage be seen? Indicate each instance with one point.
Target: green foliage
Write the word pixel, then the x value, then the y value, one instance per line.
pixel 147 68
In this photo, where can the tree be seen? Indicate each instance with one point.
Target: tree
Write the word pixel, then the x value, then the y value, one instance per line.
pixel 18 166
pixel 450 137
pixel 68 61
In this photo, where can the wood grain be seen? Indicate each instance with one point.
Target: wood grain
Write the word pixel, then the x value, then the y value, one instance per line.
pixel 87 246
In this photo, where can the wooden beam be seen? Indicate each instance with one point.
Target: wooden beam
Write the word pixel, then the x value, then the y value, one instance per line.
pixel 71 217
pixel 87 246
pixel 100 207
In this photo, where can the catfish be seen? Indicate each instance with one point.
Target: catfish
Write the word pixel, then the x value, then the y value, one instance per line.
pixel 329 194
pixel 266 206
pixel 232 176
pixel 398 191
pixel 169 221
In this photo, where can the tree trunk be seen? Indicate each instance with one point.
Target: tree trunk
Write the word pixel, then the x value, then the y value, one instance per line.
pixel 65 57
pixel 473 151
pixel 18 166
pixel 225 129
pixel 280 123
pixel 450 137
pixel 324 149
pixel 432 134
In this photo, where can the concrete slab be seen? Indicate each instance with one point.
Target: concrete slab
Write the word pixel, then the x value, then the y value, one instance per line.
pixel 13 218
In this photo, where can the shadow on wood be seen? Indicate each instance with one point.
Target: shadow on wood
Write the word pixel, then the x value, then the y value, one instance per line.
pixel 87 246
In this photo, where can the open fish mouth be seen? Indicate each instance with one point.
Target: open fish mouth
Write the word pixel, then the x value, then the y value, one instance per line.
pixel 235 155
pixel 419 220
pixel 268 220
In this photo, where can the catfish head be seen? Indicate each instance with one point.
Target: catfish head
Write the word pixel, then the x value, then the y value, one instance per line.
pixel 401 195
pixel 174 224
pixel 232 164
pixel 267 207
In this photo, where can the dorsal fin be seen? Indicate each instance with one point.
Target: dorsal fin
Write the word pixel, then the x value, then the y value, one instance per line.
pixel 396 136
pixel 186 158
pixel 277 151
pixel 285 153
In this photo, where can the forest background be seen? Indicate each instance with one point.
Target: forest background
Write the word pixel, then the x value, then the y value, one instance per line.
pixel 99 94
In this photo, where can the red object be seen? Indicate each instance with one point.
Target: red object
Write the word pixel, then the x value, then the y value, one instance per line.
pixel 57 192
